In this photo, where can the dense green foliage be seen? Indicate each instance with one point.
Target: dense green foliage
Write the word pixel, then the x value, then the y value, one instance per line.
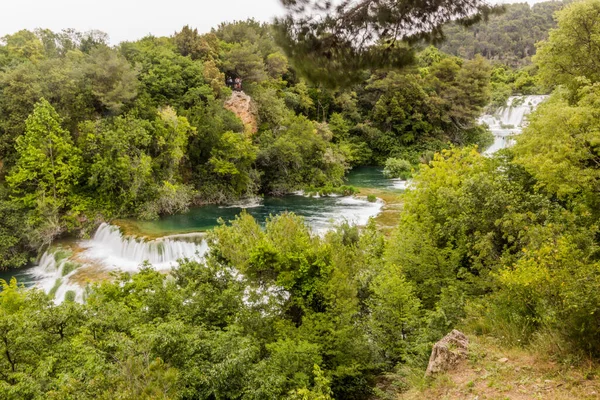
pixel 504 245
pixel 517 234
pixel 274 313
pixel 334 43
pixel 89 132
pixel 508 38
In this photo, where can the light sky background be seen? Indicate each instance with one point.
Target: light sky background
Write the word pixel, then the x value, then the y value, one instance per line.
pixel 130 19
pixel 133 19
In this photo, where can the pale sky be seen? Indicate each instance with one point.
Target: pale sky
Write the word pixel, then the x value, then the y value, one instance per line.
pixel 130 19
pixel 133 19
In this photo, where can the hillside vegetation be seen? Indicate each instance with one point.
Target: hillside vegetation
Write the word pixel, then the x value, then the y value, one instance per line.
pixel 505 247
pixel 509 38
pixel 90 133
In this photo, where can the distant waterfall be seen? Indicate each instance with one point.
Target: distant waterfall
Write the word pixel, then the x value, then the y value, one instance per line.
pixel 510 120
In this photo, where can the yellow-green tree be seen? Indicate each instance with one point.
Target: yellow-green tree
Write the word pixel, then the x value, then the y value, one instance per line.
pixel 48 164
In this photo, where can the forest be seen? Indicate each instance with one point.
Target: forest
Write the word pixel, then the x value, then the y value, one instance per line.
pixel 503 246
pixel 141 129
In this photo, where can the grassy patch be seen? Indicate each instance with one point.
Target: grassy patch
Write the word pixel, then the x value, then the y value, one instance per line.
pixel 52 292
pixel 61 254
pixel 390 212
pixel 69 267
pixel 496 372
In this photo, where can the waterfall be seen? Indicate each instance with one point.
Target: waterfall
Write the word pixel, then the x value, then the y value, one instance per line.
pixel 510 120
pixel 109 250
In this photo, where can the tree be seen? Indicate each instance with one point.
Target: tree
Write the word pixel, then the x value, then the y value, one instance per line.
pixel 48 165
pixel 462 217
pixel 395 310
pixel 171 137
pixel 90 40
pixel 332 42
pixel 24 45
pixel 560 146
pixel 232 159
pixel 299 156
pixel 277 65
pixel 118 165
pixel 397 168
pixel 113 80
pixel 167 77
pixel 13 242
pixel 189 42
pixel 571 53
pixel 509 38
pixel 214 77
pixel 244 60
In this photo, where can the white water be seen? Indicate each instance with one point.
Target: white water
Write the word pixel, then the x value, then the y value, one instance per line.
pixel 110 248
pixel 401 184
pixel 510 120
pixel 348 209
pixel 49 272
pixel 109 251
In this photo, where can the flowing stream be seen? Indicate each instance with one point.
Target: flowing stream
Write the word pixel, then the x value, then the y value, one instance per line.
pixel 65 271
pixel 510 120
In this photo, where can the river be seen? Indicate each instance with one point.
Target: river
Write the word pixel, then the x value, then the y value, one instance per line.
pixel 61 272
pixel 64 274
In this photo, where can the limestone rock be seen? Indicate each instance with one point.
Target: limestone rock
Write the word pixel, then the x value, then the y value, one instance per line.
pixel 447 353
pixel 241 105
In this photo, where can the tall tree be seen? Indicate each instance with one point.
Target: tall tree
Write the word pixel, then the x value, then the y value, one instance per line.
pixel 48 165
pixel 113 80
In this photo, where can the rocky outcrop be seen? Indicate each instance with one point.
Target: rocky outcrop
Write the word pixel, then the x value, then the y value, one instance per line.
pixel 448 353
pixel 241 105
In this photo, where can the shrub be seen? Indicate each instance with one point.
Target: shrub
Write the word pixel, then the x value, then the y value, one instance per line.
pixel 397 168
pixel 70 295
pixel 69 267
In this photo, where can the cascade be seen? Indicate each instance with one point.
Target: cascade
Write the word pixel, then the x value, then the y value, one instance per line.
pixel 110 250
pixel 510 120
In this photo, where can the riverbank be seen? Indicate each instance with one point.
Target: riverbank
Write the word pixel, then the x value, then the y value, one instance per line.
pixel 493 371
pixel 389 216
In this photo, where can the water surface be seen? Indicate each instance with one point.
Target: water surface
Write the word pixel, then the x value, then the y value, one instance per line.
pixel 320 214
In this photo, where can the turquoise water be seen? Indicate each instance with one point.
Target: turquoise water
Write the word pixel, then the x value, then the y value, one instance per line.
pixel 319 212
pixel 22 275
pixel 369 177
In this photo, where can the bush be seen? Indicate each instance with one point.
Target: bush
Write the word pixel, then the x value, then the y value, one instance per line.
pixel 371 198
pixel 397 168
pixel 69 267
pixel 171 199
pixel 70 296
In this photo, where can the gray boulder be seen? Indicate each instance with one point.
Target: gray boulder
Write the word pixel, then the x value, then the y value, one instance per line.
pixel 447 353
